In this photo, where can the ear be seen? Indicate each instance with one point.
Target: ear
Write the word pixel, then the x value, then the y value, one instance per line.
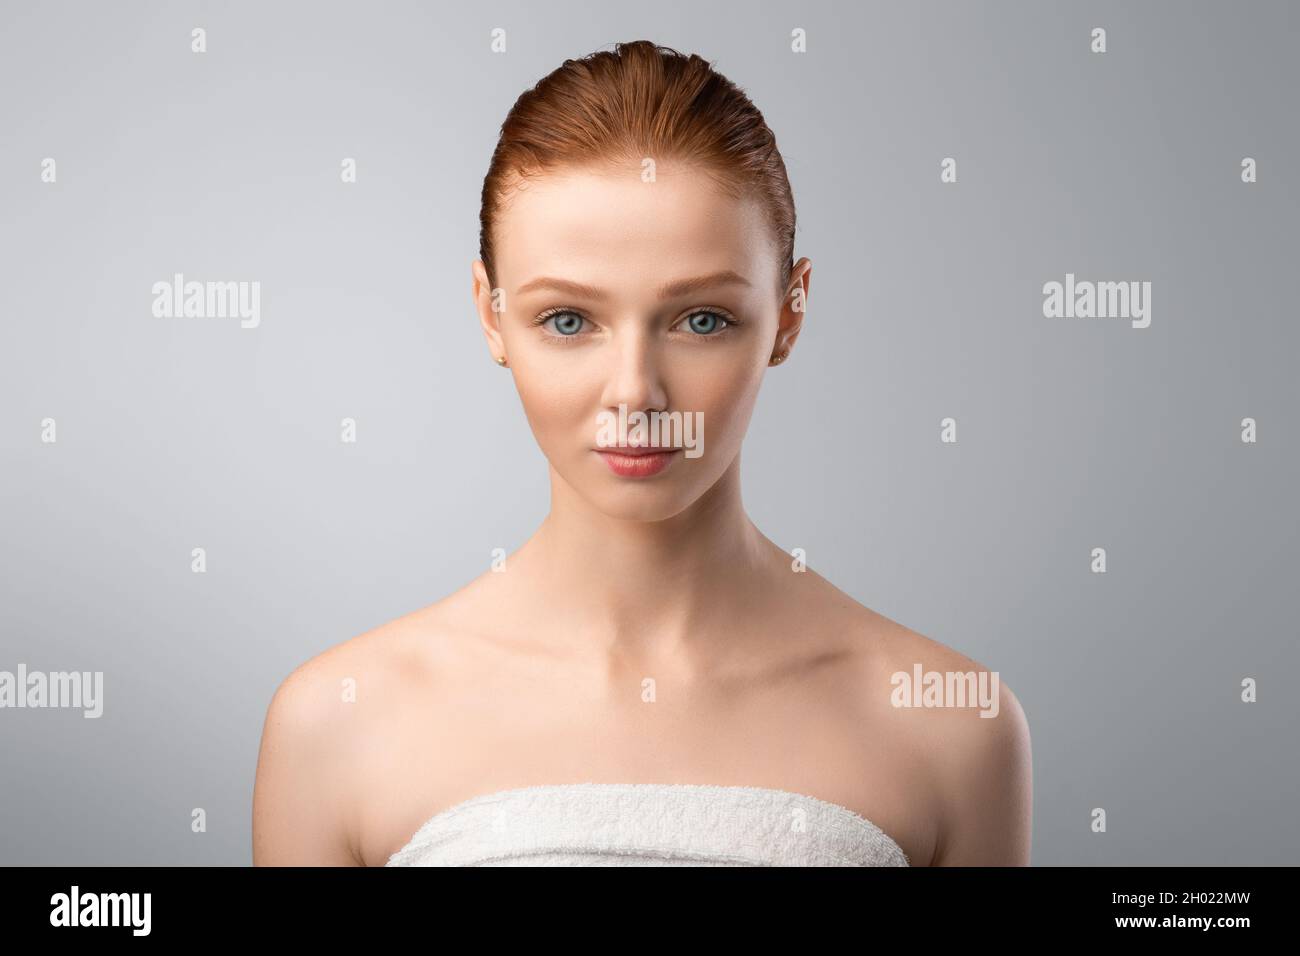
pixel 793 307
pixel 490 304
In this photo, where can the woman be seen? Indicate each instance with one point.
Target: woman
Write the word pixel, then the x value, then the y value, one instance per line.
pixel 648 679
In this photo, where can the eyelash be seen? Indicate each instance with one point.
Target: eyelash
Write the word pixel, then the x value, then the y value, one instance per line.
pixel 727 317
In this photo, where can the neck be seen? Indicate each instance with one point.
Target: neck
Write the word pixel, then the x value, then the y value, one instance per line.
pixel 642 588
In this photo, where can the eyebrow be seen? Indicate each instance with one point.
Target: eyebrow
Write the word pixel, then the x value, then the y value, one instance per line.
pixel 667 291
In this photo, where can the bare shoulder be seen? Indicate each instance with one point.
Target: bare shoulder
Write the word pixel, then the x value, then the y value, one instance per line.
pixel 319 737
pixel 965 722
pixel 971 723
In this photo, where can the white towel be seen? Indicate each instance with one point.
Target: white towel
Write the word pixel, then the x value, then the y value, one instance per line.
pixel 648 824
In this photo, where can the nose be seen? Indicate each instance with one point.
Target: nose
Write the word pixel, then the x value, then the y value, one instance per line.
pixel 634 377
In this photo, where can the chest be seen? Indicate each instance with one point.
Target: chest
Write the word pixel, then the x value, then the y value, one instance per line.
pixel 429 767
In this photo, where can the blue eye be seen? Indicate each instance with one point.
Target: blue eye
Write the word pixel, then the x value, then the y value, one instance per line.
pixel 566 323
pixel 706 323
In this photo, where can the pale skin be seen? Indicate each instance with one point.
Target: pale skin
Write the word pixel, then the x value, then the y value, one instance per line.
pixel 762 675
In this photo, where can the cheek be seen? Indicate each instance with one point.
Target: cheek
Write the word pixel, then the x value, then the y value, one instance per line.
pixel 726 398
pixel 555 410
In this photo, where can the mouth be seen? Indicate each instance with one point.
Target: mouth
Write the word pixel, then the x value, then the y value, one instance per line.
pixel 637 462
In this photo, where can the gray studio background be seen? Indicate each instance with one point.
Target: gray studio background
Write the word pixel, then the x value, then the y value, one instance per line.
pixel 925 302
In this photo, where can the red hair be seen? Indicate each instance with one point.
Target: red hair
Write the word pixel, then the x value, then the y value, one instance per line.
pixel 641 100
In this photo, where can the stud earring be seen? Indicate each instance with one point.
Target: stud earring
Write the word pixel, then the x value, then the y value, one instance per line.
pixel 778 359
pixel 501 360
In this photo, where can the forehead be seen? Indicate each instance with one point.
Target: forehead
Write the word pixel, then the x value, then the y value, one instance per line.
pixel 604 222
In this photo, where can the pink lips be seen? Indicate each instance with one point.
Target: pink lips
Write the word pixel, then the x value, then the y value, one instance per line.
pixel 637 462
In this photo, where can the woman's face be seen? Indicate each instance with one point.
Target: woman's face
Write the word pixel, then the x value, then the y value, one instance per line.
pixel 658 296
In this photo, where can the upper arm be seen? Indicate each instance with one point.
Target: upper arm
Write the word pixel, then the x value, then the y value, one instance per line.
pixel 988 786
pixel 301 794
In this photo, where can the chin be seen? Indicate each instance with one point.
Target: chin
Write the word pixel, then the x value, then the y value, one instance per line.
pixel 645 499
pixel 640 506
